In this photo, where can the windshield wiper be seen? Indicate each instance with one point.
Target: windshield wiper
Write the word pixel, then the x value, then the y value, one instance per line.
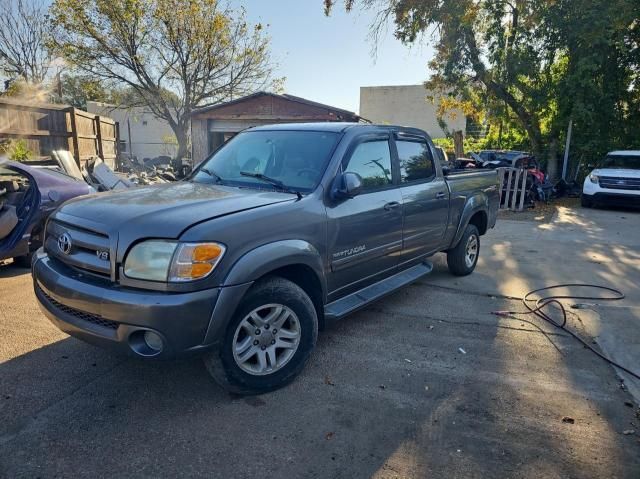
pixel 277 183
pixel 212 174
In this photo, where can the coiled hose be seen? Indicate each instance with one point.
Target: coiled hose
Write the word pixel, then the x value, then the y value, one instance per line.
pixel 539 304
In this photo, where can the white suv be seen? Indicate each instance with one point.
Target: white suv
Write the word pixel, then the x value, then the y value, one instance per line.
pixel 616 179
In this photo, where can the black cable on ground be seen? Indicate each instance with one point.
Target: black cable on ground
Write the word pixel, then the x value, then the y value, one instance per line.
pixel 542 302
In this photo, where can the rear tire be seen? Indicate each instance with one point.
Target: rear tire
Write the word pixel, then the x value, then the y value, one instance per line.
pixel 462 259
pixel 250 361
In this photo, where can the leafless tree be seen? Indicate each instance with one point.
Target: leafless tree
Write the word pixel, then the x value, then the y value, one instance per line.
pixel 174 55
pixel 23 34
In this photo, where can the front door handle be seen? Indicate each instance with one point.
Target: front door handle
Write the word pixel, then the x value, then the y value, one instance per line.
pixel 391 205
pixel 440 195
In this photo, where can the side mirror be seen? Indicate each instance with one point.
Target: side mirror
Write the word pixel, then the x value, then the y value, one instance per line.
pixel 347 185
pixel 445 170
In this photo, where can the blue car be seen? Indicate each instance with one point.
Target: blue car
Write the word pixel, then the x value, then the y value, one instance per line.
pixel 28 195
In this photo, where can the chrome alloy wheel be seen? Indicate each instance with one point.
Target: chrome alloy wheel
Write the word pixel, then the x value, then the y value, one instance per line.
pixel 471 251
pixel 266 339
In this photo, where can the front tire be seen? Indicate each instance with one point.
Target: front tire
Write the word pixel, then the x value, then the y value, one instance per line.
pixel 24 261
pixel 268 341
pixel 586 202
pixel 462 259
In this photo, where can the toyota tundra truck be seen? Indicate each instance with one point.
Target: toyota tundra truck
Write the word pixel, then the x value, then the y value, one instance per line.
pixel 280 231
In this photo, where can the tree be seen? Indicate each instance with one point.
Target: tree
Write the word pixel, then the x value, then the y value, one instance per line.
pixel 77 90
pixel 483 44
pixel 531 65
pixel 23 32
pixel 599 71
pixel 176 55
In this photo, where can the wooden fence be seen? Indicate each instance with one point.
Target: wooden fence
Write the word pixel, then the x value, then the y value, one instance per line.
pixel 47 127
pixel 513 188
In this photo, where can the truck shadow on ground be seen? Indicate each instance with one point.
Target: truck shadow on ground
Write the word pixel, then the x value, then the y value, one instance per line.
pixel 11 270
pixel 387 393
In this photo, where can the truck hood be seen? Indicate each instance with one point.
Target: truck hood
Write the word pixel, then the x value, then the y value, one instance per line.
pixel 163 211
pixel 619 172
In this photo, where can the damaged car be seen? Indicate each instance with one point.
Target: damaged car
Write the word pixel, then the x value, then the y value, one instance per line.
pixel 28 195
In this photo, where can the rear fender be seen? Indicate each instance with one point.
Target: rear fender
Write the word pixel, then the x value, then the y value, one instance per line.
pixel 476 203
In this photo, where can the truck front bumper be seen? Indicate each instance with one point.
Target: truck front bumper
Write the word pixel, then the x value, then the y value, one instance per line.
pixel 103 313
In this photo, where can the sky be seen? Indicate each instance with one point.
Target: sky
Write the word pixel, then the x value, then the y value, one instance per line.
pixel 328 59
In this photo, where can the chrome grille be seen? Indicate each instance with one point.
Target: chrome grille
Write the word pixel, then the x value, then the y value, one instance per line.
pixel 82 315
pixel 619 183
pixel 85 247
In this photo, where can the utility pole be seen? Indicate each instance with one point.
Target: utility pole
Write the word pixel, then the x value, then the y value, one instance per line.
pixel 129 135
pixel 566 151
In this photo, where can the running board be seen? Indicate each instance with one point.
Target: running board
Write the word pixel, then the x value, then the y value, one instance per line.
pixel 360 299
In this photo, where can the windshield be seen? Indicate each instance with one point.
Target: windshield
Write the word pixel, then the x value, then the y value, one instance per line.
pixel 296 159
pixel 630 162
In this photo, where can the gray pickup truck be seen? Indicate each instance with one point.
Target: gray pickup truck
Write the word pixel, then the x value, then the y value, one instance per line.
pixel 281 230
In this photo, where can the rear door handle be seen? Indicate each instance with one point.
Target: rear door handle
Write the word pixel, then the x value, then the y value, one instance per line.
pixel 440 195
pixel 391 205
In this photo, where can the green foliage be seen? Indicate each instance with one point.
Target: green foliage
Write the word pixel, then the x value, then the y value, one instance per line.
pixel 77 90
pixel 16 150
pixel 469 144
pixel 528 67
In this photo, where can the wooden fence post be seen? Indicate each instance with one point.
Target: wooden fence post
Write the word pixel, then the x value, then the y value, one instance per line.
pixel 74 135
pixel 98 124
pixel 523 190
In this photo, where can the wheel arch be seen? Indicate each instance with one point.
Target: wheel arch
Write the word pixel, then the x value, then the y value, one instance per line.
pixel 475 212
pixel 480 220
pixel 305 277
pixel 295 260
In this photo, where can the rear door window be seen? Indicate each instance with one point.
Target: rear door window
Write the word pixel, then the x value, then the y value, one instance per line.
pixel 416 162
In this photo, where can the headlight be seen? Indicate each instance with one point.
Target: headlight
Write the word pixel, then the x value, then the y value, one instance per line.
pixel 593 178
pixel 158 260
pixel 150 260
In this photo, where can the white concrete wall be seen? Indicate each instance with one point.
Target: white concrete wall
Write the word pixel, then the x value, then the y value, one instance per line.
pixel 148 133
pixel 406 105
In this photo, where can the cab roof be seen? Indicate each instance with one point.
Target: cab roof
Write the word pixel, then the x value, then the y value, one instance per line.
pixel 337 127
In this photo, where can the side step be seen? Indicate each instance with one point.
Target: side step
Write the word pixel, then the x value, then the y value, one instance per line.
pixel 359 299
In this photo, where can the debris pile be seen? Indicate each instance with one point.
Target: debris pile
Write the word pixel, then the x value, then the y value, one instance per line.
pixel 132 171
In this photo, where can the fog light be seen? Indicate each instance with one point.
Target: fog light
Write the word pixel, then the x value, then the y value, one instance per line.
pixel 153 340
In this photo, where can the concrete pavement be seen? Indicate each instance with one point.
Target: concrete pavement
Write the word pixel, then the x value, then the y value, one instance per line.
pixel 425 383
pixel 579 245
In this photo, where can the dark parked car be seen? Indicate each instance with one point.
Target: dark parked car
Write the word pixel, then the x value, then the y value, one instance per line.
pixel 283 229
pixel 27 196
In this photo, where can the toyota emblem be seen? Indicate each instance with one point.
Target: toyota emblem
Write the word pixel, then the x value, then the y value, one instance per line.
pixel 64 243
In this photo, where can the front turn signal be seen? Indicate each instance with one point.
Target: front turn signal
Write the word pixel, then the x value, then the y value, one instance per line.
pixel 194 261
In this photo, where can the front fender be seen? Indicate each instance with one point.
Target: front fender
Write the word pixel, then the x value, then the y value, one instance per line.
pixel 252 266
pixel 266 258
pixel 477 202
